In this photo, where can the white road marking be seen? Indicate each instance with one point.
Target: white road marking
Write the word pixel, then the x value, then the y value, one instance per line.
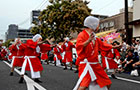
pixel 29 82
pixel 120 78
pixel 125 79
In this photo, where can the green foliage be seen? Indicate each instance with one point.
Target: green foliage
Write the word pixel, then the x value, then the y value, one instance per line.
pixel 61 18
pixel 7 43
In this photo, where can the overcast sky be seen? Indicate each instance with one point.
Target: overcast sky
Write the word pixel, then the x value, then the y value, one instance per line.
pixel 19 11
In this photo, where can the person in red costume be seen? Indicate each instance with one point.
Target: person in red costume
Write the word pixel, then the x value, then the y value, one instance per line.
pixel 108 59
pixel 44 48
pixel 17 50
pixel 4 53
pixel 57 55
pixel 91 74
pixel 67 48
pixel 31 61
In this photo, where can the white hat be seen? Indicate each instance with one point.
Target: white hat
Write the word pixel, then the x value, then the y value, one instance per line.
pixel 36 37
pixel 91 22
pixel 67 39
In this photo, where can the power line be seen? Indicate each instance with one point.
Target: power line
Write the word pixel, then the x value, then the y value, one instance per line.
pixel 108 4
pixel 44 4
pixel 39 6
pixel 26 20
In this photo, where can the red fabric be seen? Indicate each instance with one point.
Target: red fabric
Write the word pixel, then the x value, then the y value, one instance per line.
pixel 44 48
pixel 10 56
pixel 57 51
pixel 77 61
pixel 68 52
pixel 18 62
pixel 91 53
pixel 3 54
pixel 111 62
pixel 30 50
pixel 36 65
pixel 20 52
pixel 13 50
pixel 10 49
pixel 44 56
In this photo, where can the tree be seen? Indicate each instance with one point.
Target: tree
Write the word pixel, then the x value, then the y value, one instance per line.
pixel 61 18
pixel 7 43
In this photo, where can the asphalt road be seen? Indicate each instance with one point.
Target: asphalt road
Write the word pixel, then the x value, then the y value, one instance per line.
pixel 55 78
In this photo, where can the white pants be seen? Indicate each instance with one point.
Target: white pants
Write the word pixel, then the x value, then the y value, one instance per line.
pixel 95 86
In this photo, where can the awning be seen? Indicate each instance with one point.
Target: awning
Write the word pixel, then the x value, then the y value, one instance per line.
pixel 135 22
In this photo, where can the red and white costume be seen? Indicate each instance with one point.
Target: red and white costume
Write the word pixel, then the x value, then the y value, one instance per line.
pixel 10 54
pixel 31 62
pixel 67 48
pixel 57 54
pixel 89 67
pixel 3 54
pixel 44 48
pixel 17 55
pixel 108 59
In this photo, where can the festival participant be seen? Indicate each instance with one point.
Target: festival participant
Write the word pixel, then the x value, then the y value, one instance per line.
pixel 32 62
pixel 4 53
pixel 91 74
pixel 109 59
pixel 17 50
pixel 57 55
pixel 67 48
pixel 10 53
pixel 44 48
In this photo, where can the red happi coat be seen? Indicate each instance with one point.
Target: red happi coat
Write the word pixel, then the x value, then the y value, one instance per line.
pixel 19 57
pixel 109 57
pixel 44 48
pixel 90 53
pixel 13 51
pixel 30 50
pixel 57 52
pixel 3 54
pixel 68 52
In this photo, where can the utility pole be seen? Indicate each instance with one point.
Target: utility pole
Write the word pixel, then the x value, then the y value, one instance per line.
pixel 128 31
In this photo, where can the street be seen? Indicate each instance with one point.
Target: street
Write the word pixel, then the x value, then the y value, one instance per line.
pixel 55 78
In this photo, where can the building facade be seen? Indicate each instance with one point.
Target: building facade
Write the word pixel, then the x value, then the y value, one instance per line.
pixel 116 22
pixel 14 32
pixel 136 19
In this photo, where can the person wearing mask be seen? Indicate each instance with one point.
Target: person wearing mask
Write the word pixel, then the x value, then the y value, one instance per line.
pixel 91 74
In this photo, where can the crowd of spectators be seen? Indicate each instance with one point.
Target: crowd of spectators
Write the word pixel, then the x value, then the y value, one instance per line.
pixel 130 56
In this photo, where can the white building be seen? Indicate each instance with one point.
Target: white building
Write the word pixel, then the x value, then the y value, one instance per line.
pixel 136 18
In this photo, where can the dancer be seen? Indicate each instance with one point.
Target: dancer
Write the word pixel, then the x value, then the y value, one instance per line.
pixel 44 48
pixel 67 48
pixel 17 50
pixel 87 46
pixel 4 53
pixel 108 60
pixel 57 55
pixel 32 62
